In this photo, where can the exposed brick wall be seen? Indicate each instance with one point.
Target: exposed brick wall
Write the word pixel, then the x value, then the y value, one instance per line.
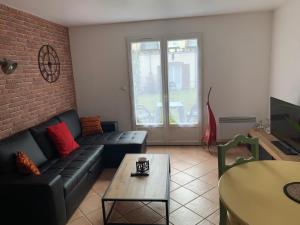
pixel 26 99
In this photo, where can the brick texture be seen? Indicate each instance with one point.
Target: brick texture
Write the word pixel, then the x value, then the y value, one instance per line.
pixel 26 99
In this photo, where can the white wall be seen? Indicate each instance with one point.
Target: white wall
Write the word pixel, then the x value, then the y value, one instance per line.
pixel 285 73
pixel 236 62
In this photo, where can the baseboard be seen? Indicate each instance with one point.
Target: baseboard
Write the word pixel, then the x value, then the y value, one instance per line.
pixel 175 144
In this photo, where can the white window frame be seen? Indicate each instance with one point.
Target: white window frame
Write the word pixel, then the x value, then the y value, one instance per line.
pixel 164 70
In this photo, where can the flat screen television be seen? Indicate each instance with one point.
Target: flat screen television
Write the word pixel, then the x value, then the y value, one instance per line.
pixel 285 122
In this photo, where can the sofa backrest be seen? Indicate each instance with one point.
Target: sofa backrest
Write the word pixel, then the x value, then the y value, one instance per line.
pixel 40 135
pixel 19 142
pixel 71 118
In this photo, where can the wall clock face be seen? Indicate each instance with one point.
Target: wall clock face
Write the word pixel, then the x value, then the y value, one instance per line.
pixel 49 63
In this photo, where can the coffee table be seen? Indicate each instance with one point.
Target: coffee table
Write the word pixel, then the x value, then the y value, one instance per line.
pixel 152 188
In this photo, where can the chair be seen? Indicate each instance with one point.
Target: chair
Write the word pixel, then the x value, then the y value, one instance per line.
pixel 222 167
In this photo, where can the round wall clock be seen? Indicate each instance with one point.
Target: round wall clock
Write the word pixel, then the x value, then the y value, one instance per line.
pixel 49 63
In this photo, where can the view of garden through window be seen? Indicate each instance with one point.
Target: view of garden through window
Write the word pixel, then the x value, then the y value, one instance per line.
pixel 182 87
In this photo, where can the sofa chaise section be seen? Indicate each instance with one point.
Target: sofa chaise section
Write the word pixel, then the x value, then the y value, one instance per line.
pixel 116 143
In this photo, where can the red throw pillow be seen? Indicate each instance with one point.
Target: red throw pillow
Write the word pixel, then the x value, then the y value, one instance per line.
pixel 62 138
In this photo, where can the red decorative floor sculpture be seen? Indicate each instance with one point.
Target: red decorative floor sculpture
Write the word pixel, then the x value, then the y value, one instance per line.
pixel 210 133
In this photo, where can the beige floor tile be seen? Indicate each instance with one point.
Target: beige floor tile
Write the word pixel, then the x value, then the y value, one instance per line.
pixel 100 186
pixel 160 207
pixel 214 218
pixel 95 217
pixel 91 192
pixel 195 157
pixel 182 178
pixel 184 216
pixel 233 153
pixel 121 220
pixel 174 159
pixel 205 222
pixel 124 207
pixel 108 174
pixel 90 203
pixel 80 221
pixel 202 206
pixel 182 165
pixel 183 195
pixel 143 215
pixel 210 178
pixel 212 195
pixel 174 186
pixel 174 205
pixel 174 171
pixel 115 216
pixel 199 170
pixel 199 187
pixel 163 222
pixel 76 215
pixel 214 159
pixel 190 158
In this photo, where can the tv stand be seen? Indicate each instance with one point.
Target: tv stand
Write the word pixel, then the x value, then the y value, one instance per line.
pixel 284 147
pixel 269 144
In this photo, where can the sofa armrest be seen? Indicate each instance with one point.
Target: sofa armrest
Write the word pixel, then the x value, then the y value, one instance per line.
pixel 109 126
pixel 33 200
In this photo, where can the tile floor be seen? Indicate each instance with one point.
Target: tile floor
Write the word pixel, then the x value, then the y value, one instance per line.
pixel 194 193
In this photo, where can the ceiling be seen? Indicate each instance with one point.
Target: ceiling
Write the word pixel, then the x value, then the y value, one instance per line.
pixel 85 12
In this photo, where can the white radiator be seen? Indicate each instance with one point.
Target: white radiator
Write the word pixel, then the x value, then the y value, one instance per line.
pixel 228 127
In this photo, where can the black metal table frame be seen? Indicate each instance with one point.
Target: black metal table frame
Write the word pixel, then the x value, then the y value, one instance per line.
pixel 166 201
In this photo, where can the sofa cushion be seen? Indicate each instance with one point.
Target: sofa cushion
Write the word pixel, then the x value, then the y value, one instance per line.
pixel 19 142
pixel 117 144
pixel 115 138
pixel 72 120
pixel 75 166
pixel 95 139
pixel 41 136
pixel 62 138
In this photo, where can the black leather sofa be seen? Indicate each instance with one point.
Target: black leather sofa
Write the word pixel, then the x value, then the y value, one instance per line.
pixel 52 198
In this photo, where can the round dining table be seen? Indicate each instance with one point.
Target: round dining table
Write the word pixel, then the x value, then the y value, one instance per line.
pixel 253 192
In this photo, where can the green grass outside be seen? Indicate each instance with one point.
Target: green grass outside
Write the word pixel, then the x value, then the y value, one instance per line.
pixel 188 97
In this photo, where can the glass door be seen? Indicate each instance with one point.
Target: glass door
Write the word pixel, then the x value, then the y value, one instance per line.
pixel 183 82
pixel 165 88
pixel 147 87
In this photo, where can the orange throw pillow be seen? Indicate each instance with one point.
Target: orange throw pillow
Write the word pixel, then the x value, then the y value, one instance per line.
pixel 91 125
pixel 25 164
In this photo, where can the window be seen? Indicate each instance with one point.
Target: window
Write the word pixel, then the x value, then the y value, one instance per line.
pixel 165 82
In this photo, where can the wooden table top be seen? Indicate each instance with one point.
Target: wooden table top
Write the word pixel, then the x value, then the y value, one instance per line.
pixel 152 187
pixel 253 192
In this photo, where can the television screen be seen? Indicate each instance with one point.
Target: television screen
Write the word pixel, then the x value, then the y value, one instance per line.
pixel 285 122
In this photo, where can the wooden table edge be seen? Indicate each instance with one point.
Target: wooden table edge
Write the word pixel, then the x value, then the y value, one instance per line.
pixel 226 206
